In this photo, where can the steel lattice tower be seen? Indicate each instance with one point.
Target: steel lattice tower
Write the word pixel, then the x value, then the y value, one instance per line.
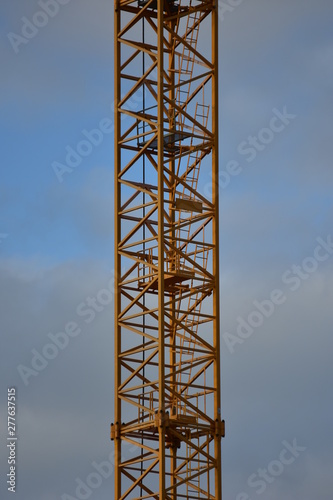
pixel 167 342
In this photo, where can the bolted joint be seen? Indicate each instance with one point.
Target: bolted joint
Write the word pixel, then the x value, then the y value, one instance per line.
pixel 218 428
pixel 172 442
pixel 115 431
pixel 162 418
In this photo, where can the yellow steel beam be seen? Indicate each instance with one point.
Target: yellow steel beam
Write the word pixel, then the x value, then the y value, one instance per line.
pixel 117 258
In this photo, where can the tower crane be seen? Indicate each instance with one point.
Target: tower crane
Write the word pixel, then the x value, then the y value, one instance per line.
pixel 168 422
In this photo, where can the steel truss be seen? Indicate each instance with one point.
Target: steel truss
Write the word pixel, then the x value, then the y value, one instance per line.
pixel 168 428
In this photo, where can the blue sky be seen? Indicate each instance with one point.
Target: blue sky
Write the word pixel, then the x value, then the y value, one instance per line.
pixel 58 248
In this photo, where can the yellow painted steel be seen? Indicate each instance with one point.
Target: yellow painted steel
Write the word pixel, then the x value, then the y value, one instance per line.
pixel 168 420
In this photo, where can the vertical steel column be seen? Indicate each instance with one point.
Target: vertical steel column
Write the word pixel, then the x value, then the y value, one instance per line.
pixel 172 354
pixel 160 146
pixel 117 261
pixel 216 266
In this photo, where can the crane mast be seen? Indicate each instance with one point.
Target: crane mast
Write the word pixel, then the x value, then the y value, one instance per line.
pixel 167 306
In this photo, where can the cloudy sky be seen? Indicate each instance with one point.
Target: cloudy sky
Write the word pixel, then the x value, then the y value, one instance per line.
pixel 56 247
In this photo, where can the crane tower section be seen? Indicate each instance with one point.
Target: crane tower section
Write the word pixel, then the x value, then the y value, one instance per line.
pixel 168 427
